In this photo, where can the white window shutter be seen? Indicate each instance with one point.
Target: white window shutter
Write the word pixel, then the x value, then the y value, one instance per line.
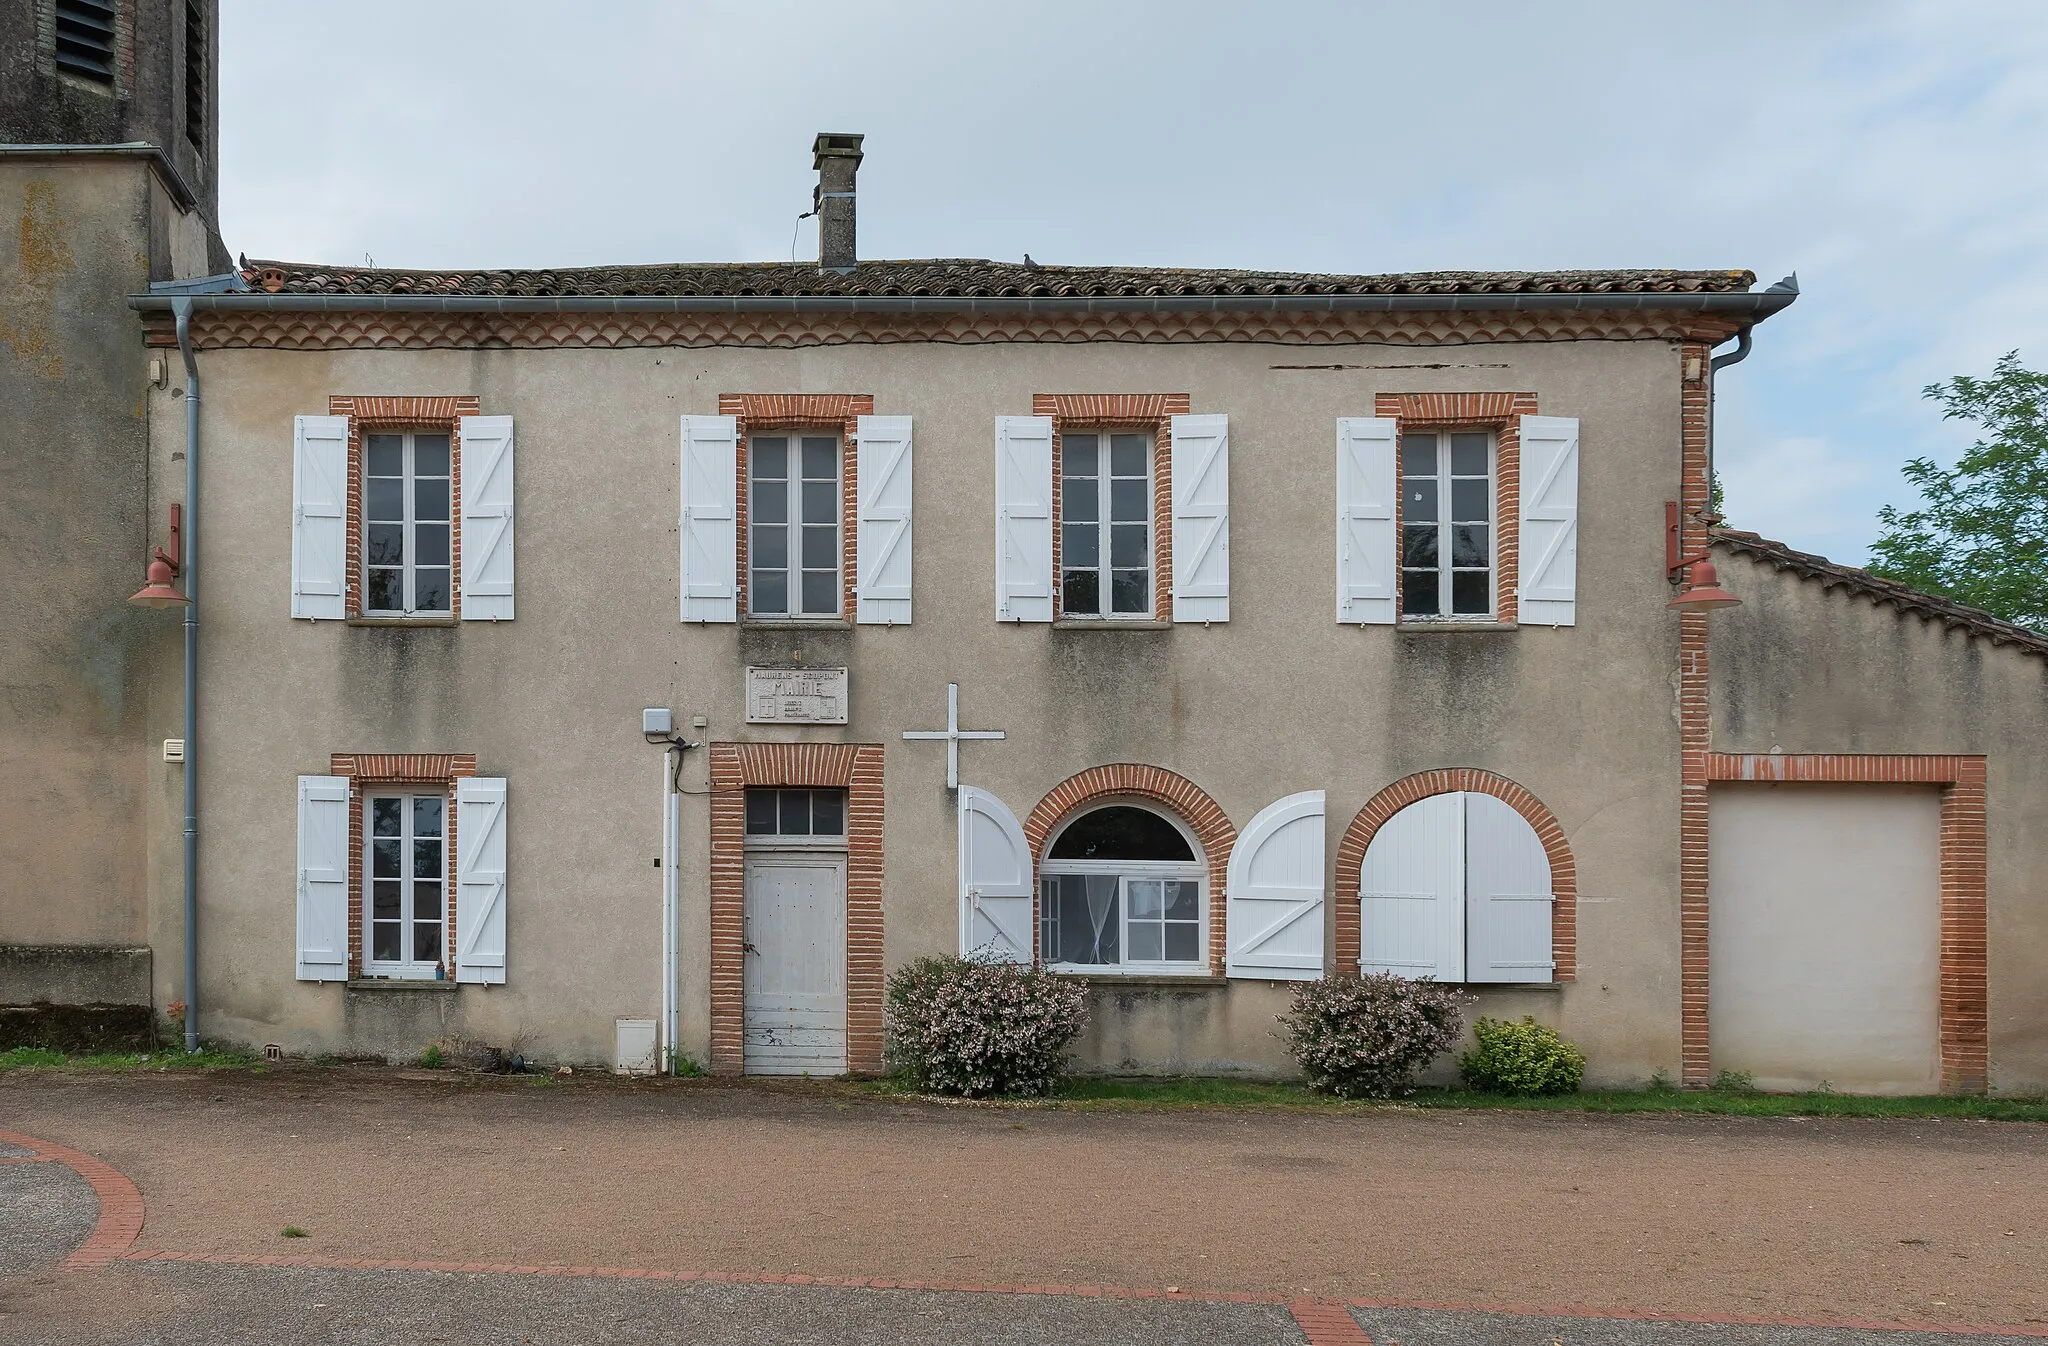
pixel 710 523
pixel 486 445
pixel 1508 899
pixel 323 878
pixel 1024 577
pixel 1201 518
pixel 1274 919
pixel 995 880
pixel 1367 550
pixel 882 544
pixel 1412 893
pixel 320 517
pixel 1549 559
pixel 480 879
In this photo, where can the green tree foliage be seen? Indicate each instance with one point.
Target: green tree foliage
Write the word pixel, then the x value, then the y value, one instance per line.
pixel 1980 535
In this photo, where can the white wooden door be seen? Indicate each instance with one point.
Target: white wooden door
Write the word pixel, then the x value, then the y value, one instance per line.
pixel 795 980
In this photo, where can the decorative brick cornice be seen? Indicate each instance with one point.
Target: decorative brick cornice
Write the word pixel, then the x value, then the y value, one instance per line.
pixel 1130 780
pixel 1502 414
pixel 1564 870
pixel 1150 413
pixel 758 413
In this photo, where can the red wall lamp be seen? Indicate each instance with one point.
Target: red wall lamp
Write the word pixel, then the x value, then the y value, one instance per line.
pixel 1702 591
pixel 161 591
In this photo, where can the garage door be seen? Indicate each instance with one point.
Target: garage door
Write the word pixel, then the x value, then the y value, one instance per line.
pixel 1824 931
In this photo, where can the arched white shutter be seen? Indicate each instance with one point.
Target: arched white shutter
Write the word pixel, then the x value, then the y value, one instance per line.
pixel 323 878
pixel 319 517
pixel 1366 547
pixel 710 524
pixel 1274 916
pixel 486 518
pixel 1548 592
pixel 1024 486
pixel 882 585
pixel 480 879
pixel 1508 899
pixel 1412 892
pixel 995 879
pixel 1201 518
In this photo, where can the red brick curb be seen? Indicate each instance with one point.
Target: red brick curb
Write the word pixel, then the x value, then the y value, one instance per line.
pixel 1328 1322
pixel 120 1218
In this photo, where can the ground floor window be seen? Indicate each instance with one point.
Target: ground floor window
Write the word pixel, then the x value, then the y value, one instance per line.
pixel 1121 888
pixel 408 854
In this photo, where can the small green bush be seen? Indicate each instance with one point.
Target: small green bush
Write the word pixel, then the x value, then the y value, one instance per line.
pixel 1366 1037
pixel 978 1028
pixel 433 1058
pixel 1523 1058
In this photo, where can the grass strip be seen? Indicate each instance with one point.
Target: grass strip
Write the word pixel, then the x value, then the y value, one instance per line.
pixel 43 1058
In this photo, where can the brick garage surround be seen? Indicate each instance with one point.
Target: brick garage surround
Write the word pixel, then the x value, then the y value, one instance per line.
pixel 795 413
pixel 397 414
pixel 1129 780
pixel 855 768
pixel 1564 870
pixel 1502 414
pixel 369 772
pixel 1964 966
pixel 1143 413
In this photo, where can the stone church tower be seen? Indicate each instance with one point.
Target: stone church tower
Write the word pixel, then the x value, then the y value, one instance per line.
pixel 109 167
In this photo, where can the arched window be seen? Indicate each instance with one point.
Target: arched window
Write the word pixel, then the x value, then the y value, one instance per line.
pixel 1122 888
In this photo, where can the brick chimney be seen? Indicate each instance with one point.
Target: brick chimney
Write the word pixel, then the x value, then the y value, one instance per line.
pixel 837 159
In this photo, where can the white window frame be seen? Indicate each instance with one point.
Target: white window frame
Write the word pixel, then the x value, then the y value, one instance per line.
pixel 1443 524
pixel 408 569
pixel 1103 479
pixel 809 841
pixel 1195 871
pixel 793 525
pixel 405 968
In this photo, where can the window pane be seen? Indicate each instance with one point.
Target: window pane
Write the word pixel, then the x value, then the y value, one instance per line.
pixel 1419 596
pixel 384 498
pixel 821 459
pixel 771 502
pixel 1077 455
pixel 426 858
pixel 1128 543
pixel 771 591
pixel 821 592
pixel 385 943
pixel 384 858
pixel 796 813
pixel 1099 919
pixel 431 541
pixel 386 817
pixel 1121 832
pixel 384 455
pixel 1418 544
pixel 1418 500
pixel 1472 592
pixel 430 455
pixel 1468 544
pixel 384 544
pixel 821 502
pixel 1146 945
pixel 761 813
pixel 384 898
pixel 1180 900
pixel 430 591
pixel 426 815
pixel 1127 455
pixel 1081 546
pixel 387 591
pixel 1470 502
pixel 426 942
pixel 1128 591
pixel 1081 500
pixel 769 458
pixel 426 901
pixel 821 548
pixel 771 546
pixel 1183 942
pixel 1418 455
pixel 1468 455
pixel 1148 901
pixel 828 813
pixel 1082 592
pixel 430 499
pixel 1129 500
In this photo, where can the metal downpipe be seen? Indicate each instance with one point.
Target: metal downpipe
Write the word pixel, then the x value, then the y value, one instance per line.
pixel 182 307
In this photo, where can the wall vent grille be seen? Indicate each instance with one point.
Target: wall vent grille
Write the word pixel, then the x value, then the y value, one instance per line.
pixel 85 39
pixel 195 74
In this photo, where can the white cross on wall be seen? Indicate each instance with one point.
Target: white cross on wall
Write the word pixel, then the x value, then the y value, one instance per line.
pixel 952 733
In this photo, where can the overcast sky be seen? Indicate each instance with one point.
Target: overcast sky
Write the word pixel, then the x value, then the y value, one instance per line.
pixel 1894 154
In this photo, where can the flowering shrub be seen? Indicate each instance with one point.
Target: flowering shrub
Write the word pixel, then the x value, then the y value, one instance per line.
pixel 1521 1058
pixel 977 1027
pixel 1366 1037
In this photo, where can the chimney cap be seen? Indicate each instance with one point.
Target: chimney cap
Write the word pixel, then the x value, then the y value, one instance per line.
pixel 835 145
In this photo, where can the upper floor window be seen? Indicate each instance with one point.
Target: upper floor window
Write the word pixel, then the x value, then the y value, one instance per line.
pixel 1447 495
pixel 1105 524
pixel 85 39
pixel 793 507
pixel 1121 887
pixel 407 526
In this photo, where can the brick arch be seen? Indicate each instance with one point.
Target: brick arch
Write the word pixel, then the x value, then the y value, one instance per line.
pixel 1564 871
pixel 1128 780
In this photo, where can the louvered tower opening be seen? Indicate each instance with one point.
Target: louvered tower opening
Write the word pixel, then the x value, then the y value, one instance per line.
pixel 195 73
pixel 85 39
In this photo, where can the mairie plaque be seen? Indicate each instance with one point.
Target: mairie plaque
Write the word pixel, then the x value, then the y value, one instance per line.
pixel 796 696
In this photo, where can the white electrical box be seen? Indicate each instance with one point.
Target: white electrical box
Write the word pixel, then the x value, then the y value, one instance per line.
pixel 635 1053
pixel 657 720
pixel 174 750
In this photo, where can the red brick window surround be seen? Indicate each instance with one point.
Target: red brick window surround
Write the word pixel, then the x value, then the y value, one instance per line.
pixel 435 414
pixel 1564 870
pixel 855 768
pixel 1108 413
pixel 1964 955
pixel 835 413
pixel 1129 780
pixel 369 772
pixel 1500 413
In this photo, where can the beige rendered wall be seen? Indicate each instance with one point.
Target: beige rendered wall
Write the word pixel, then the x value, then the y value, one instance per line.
pixel 1278 699
pixel 1799 668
